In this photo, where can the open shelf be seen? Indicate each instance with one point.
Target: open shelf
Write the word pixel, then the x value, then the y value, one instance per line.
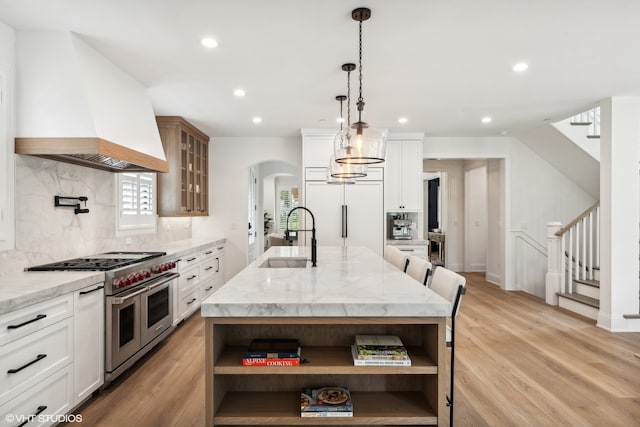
pixel 324 360
pixel 269 395
pixel 283 408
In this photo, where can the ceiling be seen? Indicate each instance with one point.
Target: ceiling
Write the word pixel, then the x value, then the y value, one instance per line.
pixel 443 64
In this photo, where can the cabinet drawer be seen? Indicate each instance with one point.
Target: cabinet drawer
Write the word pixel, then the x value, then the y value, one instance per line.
pixel 188 261
pixel 50 398
pixel 26 361
pixel 20 323
pixel 207 288
pixel 188 302
pixel 188 278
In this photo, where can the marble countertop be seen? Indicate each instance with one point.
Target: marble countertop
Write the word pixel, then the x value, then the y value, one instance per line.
pixel 348 282
pixel 22 289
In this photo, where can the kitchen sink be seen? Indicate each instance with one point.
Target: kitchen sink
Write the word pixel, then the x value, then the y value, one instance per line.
pixel 284 262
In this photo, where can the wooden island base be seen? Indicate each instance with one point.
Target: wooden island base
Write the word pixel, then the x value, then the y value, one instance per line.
pixel 261 396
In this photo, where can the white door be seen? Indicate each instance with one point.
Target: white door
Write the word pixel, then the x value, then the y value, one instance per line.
pixel 392 170
pixel 251 208
pixel 365 215
pixel 325 201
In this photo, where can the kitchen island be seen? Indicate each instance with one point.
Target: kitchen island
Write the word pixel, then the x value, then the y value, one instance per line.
pixel 351 291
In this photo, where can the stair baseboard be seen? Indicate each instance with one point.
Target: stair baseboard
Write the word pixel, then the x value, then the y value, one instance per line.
pixel 580 304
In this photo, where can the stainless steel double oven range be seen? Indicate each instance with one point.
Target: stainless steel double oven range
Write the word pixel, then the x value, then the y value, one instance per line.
pixel 138 302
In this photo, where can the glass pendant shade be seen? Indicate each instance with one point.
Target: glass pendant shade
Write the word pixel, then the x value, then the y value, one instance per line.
pixel 338 181
pixel 363 146
pixel 345 170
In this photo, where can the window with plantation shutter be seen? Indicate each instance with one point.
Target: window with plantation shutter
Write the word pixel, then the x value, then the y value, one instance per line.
pixel 136 202
pixel 288 201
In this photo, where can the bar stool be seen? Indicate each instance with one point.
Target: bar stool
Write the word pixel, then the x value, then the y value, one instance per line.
pixel 450 286
pixel 419 269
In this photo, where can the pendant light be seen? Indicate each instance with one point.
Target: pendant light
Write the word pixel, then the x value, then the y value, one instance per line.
pixel 345 170
pixel 368 145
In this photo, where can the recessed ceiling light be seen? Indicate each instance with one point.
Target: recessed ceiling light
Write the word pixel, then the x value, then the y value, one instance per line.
pixel 209 42
pixel 340 120
pixel 486 119
pixel 403 120
pixel 239 92
pixel 257 120
pixel 520 67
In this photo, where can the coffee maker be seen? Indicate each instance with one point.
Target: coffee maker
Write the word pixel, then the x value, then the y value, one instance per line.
pixel 400 224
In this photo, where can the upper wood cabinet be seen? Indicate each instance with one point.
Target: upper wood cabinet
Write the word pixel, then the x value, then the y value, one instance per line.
pixel 184 190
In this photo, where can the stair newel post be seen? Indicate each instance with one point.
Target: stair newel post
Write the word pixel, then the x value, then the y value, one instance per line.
pixel 570 262
pixel 555 269
pixel 583 243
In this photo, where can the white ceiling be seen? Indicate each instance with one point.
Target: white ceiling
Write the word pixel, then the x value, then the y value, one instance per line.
pixel 444 64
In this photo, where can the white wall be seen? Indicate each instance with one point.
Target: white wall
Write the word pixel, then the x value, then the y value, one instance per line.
pixel 534 194
pixel 229 161
pixel 7 133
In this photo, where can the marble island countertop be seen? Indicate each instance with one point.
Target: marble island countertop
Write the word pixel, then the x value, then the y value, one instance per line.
pixel 348 281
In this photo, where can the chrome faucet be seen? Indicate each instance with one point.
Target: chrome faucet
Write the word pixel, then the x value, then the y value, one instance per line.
pixel 314 248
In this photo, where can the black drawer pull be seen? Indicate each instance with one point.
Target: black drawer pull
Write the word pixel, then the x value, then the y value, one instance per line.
pixel 191 277
pixel 209 268
pixel 30 418
pixel 192 301
pixel 191 259
pixel 38 317
pixel 208 289
pixel 92 290
pixel 208 252
pixel 37 359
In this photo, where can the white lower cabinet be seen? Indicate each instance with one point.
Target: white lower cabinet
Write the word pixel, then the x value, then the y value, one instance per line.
pixel 88 338
pixel 201 274
pixel 28 360
pixel 51 357
pixel 43 404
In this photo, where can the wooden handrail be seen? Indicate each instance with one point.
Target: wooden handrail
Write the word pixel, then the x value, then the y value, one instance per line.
pixel 566 228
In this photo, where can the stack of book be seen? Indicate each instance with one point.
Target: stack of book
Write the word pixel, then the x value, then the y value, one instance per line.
pixel 326 402
pixel 272 352
pixel 379 350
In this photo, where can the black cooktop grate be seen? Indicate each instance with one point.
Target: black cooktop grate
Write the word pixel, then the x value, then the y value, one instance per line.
pixel 102 263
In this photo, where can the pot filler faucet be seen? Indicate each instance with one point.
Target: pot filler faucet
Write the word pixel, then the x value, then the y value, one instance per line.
pixel 314 248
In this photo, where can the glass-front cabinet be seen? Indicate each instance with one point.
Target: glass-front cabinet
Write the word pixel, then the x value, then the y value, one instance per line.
pixel 183 190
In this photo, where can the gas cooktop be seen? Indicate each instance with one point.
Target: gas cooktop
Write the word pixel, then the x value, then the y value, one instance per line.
pixel 100 262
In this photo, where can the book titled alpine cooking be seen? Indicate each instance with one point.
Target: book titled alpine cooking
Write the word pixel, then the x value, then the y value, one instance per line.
pixel 272 352
pixel 380 347
pixel 326 402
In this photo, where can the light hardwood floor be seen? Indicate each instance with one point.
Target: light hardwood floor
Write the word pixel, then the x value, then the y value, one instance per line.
pixel 519 362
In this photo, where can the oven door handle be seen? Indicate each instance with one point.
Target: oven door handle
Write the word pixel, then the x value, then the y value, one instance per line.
pixel 121 300
pixel 163 280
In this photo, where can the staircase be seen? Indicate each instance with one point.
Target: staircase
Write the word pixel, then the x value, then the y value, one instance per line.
pixel 584 130
pixel 574 280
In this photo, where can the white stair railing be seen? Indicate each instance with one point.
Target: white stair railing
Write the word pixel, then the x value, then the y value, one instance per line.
pixel 590 118
pixel 574 251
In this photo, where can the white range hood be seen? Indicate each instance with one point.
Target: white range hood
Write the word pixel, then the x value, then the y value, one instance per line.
pixel 74 105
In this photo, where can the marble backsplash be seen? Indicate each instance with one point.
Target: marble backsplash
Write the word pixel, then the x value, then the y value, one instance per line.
pixel 45 233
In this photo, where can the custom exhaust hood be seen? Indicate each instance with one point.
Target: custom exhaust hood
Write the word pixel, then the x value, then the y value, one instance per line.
pixel 75 106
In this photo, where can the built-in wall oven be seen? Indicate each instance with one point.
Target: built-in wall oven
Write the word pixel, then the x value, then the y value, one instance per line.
pixel 138 302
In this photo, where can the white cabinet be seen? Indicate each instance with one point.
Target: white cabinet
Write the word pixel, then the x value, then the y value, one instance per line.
pixel 88 338
pixel 403 175
pixel 348 214
pixel 36 360
pixel 345 214
pixel 201 274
